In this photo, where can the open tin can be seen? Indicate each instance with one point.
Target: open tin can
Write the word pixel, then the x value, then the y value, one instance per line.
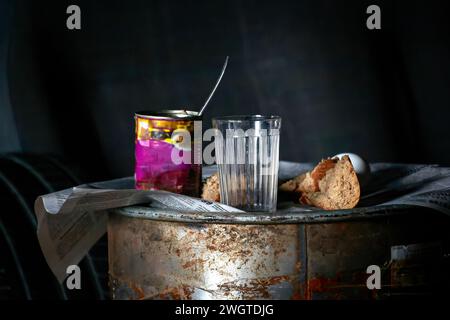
pixel 168 154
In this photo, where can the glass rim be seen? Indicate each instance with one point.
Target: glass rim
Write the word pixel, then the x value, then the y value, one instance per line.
pixel 246 118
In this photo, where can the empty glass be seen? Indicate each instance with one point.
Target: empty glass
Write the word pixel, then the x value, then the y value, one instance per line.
pixel 247 156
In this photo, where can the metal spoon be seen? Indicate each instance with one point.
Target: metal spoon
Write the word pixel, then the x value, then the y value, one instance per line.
pixel 215 87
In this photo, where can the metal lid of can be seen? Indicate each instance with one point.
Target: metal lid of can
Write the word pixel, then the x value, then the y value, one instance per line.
pixel 182 114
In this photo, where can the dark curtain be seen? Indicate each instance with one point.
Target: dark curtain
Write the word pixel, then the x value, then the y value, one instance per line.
pixel 338 86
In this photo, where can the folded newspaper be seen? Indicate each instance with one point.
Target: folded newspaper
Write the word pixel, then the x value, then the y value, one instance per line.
pixel 71 221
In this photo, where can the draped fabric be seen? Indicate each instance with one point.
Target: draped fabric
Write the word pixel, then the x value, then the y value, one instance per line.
pixel 339 87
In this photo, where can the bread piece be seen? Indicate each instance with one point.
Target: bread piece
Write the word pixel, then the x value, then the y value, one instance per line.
pixel 308 181
pixel 211 188
pixel 293 185
pixel 331 185
pixel 338 185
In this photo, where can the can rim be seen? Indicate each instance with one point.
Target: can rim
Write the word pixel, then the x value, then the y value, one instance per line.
pixel 258 218
pixel 168 114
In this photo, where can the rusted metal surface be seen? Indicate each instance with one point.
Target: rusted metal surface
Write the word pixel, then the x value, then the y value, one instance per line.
pixel 158 259
pixel 163 255
pixel 339 253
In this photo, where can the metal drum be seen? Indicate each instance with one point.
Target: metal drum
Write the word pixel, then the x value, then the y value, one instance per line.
pixel 159 254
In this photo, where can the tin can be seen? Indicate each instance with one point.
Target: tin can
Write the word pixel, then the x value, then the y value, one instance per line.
pixel 167 150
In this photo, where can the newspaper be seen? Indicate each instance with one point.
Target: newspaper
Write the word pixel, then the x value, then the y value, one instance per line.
pixel 71 221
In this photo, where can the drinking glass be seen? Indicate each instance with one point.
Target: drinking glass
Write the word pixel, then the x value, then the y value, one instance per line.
pixel 247 156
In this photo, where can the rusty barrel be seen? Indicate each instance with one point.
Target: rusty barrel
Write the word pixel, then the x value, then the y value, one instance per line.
pixel 162 254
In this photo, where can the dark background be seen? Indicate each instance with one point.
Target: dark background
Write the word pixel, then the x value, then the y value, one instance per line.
pixel 338 86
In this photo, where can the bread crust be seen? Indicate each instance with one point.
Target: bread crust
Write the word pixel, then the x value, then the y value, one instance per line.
pixel 211 188
pixel 331 185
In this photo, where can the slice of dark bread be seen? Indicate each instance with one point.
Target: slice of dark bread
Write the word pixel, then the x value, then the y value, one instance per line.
pixel 331 185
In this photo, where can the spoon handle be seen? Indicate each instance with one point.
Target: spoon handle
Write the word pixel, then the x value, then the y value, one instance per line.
pixel 215 87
